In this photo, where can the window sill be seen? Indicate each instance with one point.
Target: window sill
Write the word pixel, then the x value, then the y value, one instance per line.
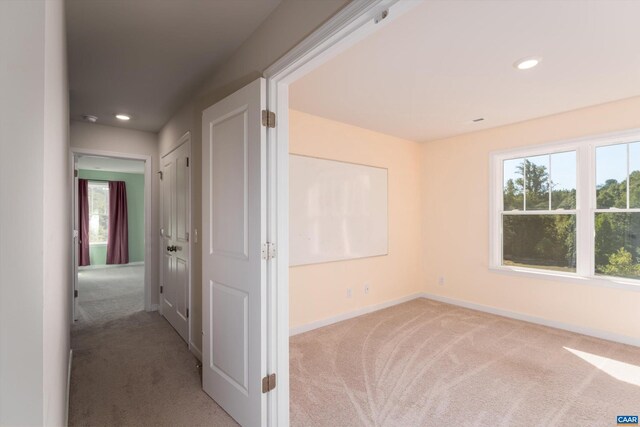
pixel 98 244
pixel 599 281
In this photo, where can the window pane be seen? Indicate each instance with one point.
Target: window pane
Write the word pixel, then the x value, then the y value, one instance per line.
pixel 611 176
pixel 540 241
pixel 618 244
pixel 634 175
pixel 563 180
pixel 98 212
pixel 513 185
pixel 537 183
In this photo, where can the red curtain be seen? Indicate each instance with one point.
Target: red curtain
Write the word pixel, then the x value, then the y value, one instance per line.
pixel 118 233
pixel 83 218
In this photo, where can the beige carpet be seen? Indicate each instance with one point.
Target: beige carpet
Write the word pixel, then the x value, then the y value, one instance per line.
pixel 130 368
pixel 425 363
pixel 109 293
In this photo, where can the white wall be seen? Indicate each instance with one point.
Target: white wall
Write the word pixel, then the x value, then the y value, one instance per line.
pixel 126 141
pixel 34 214
pixel 288 25
pixel 57 223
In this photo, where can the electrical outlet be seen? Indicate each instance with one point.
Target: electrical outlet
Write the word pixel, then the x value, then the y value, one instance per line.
pixel 349 292
pixel 441 280
pixel 366 288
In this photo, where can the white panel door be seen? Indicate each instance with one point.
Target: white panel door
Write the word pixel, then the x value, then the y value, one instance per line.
pixel 76 241
pixel 233 272
pixel 175 214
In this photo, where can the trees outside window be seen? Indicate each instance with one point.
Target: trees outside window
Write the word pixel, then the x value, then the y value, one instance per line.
pixel 574 209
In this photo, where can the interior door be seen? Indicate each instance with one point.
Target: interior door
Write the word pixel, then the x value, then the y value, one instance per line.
pixel 234 272
pixel 76 241
pixel 175 239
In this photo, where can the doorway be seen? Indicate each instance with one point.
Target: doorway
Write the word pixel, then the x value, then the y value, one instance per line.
pixel 245 227
pixel 111 223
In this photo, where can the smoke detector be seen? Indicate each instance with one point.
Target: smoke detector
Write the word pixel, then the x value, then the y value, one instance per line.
pixel 89 118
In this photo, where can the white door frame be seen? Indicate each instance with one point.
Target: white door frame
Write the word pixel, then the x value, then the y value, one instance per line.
pixel 184 139
pixel 77 151
pixel 351 24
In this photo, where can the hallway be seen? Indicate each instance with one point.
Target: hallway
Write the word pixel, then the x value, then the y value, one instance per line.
pixel 130 367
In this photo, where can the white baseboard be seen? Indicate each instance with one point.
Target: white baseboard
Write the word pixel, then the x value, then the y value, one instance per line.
pixel 100 266
pixel 344 316
pixel 196 351
pixel 623 339
pixel 66 413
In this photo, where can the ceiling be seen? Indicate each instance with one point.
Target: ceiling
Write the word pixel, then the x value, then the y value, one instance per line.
pixel 431 72
pixel 145 57
pixel 108 164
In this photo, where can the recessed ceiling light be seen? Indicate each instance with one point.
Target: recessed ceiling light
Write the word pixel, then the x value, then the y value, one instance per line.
pixel 527 63
pixel 123 117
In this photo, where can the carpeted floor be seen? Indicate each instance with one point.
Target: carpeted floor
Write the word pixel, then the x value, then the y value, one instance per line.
pixel 109 293
pixel 130 367
pixel 425 363
pixel 421 363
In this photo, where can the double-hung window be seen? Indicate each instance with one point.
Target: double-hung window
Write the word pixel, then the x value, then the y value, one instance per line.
pixel 570 209
pixel 98 212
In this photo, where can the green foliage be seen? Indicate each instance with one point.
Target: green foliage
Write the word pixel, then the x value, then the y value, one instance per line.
pixel 550 240
pixel 621 264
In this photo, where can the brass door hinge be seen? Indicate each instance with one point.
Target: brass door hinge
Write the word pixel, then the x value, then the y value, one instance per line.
pixel 161 289
pixel 268 118
pixel 268 383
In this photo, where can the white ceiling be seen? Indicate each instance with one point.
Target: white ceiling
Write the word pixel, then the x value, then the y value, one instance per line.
pixel 144 57
pixel 430 72
pixel 108 164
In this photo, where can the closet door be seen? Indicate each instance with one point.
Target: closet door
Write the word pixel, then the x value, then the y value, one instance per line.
pixel 175 290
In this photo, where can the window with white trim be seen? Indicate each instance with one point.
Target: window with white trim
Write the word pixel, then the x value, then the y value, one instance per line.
pixel 569 209
pixel 98 212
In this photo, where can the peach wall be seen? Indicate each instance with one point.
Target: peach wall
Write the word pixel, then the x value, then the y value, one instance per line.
pixel 319 291
pixel 455 177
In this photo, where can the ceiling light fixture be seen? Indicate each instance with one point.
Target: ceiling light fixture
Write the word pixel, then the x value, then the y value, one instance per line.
pixel 89 118
pixel 123 117
pixel 527 63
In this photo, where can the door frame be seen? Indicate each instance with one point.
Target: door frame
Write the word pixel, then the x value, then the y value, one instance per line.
pixel 77 151
pixel 184 139
pixel 353 23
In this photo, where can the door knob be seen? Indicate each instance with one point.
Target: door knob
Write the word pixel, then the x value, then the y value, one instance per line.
pixel 168 248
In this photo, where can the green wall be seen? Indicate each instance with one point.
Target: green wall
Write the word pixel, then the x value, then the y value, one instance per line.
pixel 135 206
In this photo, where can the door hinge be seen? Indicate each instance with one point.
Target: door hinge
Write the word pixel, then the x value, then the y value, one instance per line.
pixel 268 383
pixel 75 293
pixel 186 236
pixel 187 313
pixel 268 118
pixel 187 162
pixel 161 289
pixel 75 173
pixel 268 251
